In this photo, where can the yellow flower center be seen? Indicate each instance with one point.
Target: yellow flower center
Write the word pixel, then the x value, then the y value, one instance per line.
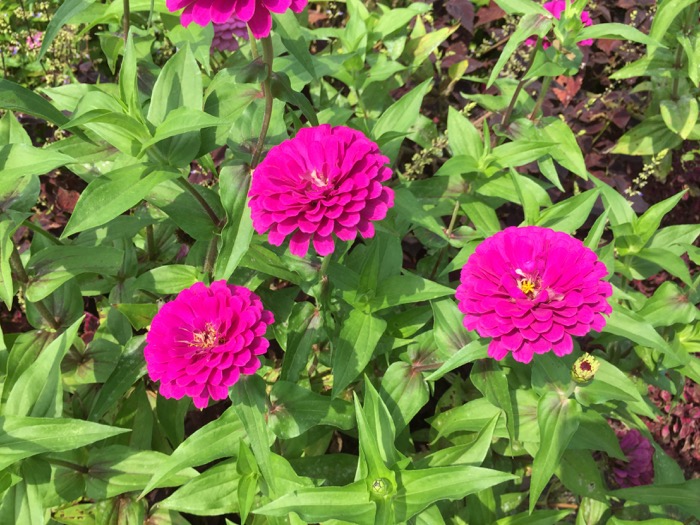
pixel 526 286
pixel 207 339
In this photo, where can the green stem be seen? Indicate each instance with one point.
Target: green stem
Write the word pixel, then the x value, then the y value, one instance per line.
pixel 253 45
pixel 678 59
pixel 268 57
pixel 453 219
pixel 126 20
pixel 198 197
pixel 23 278
pixel 67 464
pixel 150 243
pixel 520 86
pixel 210 258
pixel 41 231
pixel 448 232
pixel 540 98
pixel 322 275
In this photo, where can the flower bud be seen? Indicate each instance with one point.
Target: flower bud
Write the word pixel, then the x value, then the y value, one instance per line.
pixel 584 368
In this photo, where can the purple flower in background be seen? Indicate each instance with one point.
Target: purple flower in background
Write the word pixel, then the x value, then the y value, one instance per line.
pixel 226 34
pixel 557 8
pixel 639 468
pixel 530 289
pixel 200 343
pixel 325 182
pixel 34 41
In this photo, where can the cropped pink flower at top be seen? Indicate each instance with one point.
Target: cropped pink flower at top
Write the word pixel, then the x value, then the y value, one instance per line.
pixel 225 34
pixel 639 467
pixel 557 8
pixel 256 13
pixel 200 343
pixel 530 289
pixel 326 181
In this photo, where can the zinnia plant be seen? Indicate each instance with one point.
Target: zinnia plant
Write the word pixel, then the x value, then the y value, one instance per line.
pixel 200 343
pixel 325 182
pixel 530 289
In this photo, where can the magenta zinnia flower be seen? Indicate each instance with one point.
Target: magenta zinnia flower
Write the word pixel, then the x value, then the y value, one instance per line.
pixel 530 289
pixel 639 468
pixel 256 13
pixel 326 181
pixel 557 7
pixel 225 34
pixel 200 343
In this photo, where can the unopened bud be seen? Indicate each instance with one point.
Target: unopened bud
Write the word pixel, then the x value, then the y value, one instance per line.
pixel 584 368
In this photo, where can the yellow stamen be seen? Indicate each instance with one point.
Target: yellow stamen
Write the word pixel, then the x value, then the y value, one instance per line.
pixel 526 286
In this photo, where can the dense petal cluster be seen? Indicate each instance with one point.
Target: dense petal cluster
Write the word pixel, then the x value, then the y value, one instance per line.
pixel 530 289
pixel 200 343
pixel 639 467
pixel 226 34
pixel 557 8
pixel 325 181
pixel 256 13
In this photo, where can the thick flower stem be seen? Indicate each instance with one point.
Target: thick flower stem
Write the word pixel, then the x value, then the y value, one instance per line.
pixel 323 278
pixel 448 232
pixel 127 20
pixel 150 243
pixel 520 86
pixel 268 57
pixel 540 98
pixel 210 258
pixel 23 278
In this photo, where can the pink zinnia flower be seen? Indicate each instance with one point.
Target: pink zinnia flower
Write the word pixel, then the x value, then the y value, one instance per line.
pixel 639 468
pixel 530 289
pixel 256 13
pixel 326 181
pixel 225 34
pixel 557 7
pixel 200 343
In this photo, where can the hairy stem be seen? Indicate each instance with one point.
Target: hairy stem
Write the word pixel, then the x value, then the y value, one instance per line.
pixel 23 278
pixel 520 86
pixel 540 98
pixel 268 56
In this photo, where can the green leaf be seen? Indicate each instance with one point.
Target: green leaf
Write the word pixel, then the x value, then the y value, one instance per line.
pixel 168 279
pixel 418 489
pixel 648 138
pixel 359 335
pixel 304 326
pixel 287 26
pixel 319 504
pixel 117 469
pixel 488 377
pixel 535 22
pixel 669 305
pixel 570 214
pixel 648 224
pixel 632 326
pixel 38 392
pixel 404 391
pixel 450 333
pixel 664 17
pixel 680 116
pixel 17 98
pixel 249 400
pixel 400 117
pixel 130 368
pixel 558 419
pixel 217 439
pixel 667 260
pixel 55 265
pixel 113 193
pixel 180 121
pixel 522 7
pixel 407 288
pixel 683 495
pixel 128 81
pixel 539 517
pixel 234 182
pixel 473 453
pixel 519 152
pixel 21 160
pixel 12 132
pixel 23 437
pixel 615 32
pixel 22 504
pixel 179 85
pixel 295 409
pixel 469 353
pixel 209 494
pixel 377 435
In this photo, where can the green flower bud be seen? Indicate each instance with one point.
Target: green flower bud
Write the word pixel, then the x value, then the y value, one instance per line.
pixel 381 486
pixel 584 368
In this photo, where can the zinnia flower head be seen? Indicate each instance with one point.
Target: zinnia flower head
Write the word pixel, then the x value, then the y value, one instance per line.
pixel 639 468
pixel 325 181
pixel 200 343
pixel 225 34
pixel 256 13
pixel 584 368
pixel 557 7
pixel 530 289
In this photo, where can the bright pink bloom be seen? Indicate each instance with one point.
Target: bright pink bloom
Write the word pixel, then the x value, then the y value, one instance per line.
pixel 256 13
pixel 557 7
pixel 530 289
pixel 639 467
pixel 200 343
pixel 225 34
pixel 326 180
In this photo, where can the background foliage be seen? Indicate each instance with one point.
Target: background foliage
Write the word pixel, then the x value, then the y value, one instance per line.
pixel 123 180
